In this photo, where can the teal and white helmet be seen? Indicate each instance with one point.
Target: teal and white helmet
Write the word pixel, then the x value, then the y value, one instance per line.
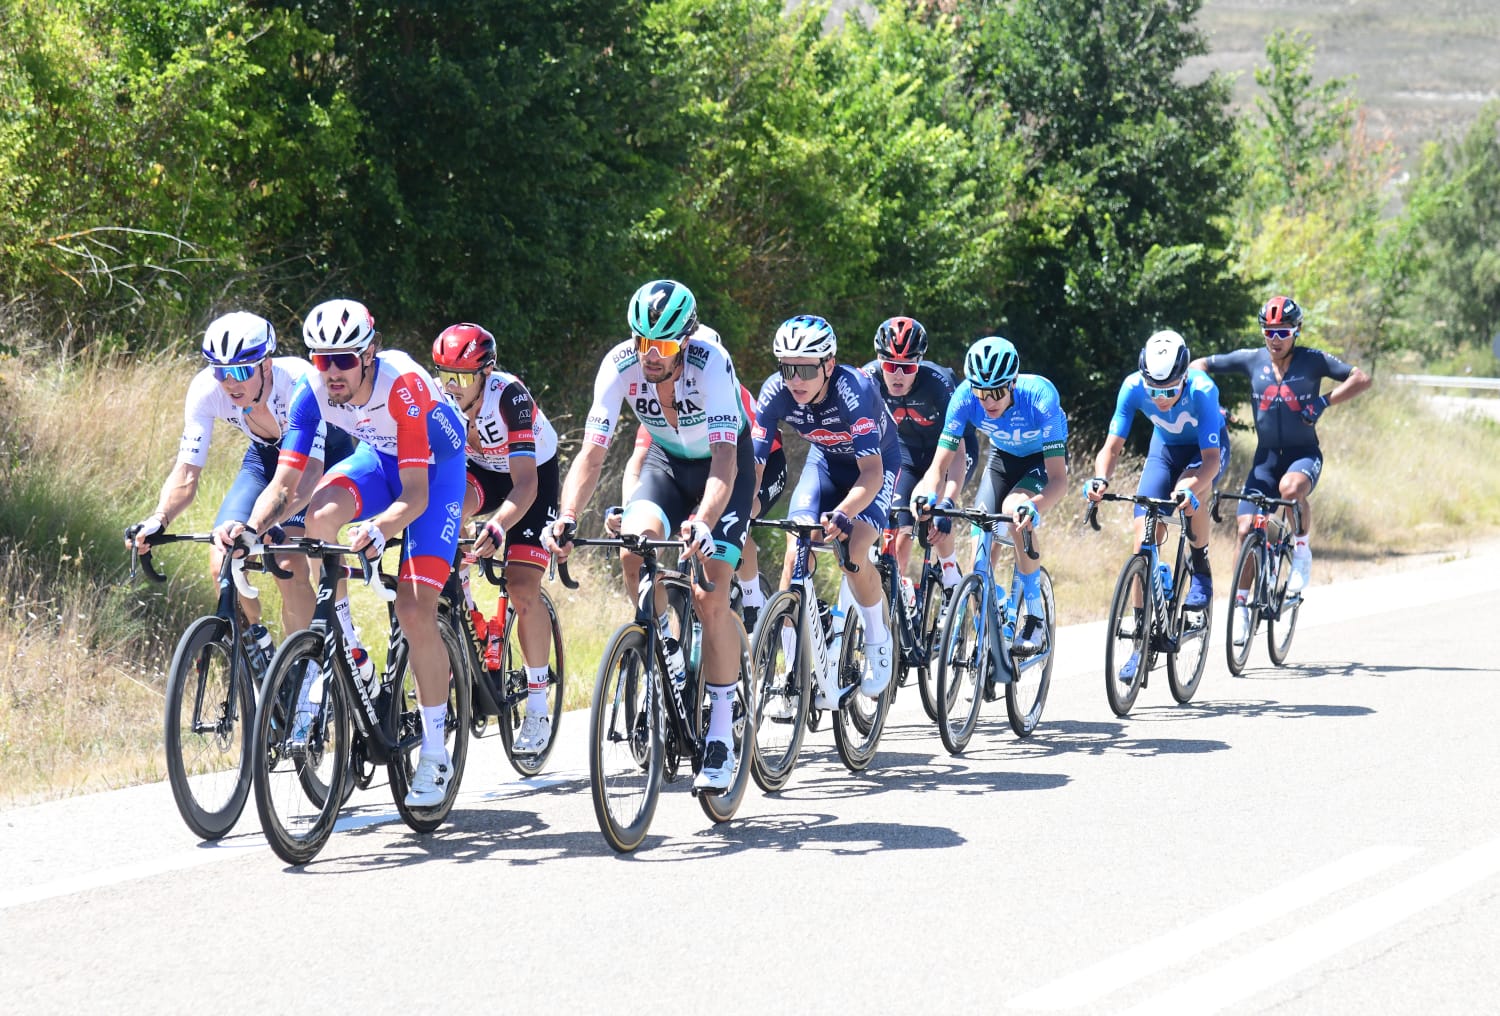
pixel 663 309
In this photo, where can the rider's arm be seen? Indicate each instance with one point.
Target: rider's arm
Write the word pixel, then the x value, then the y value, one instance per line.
pixel 1057 482
pixel 632 477
pixel 720 483
pixel 1109 456
pixel 1356 382
pixel 583 477
pixel 177 492
pixel 866 486
pixel 523 486
pixel 938 479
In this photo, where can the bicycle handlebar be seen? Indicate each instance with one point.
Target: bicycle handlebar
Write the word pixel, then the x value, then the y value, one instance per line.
pixel 1160 506
pixel 370 570
pixel 1261 501
pixel 987 520
pixel 636 543
pixel 807 531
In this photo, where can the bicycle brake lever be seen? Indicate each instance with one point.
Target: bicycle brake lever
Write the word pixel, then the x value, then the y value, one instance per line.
pixel 1091 515
pixel 237 572
pixel 372 579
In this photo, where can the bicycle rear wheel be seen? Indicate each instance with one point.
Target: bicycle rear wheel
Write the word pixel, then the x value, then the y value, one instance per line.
pixel 296 820
pixel 721 807
pixel 1249 557
pixel 781 692
pixel 1127 642
pixel 625 740
pixel 1185 663
pixel 210 711
pixel 1281 624
pixel 401 695
pixel 513 685
pixel 1026 693
pixel 963 664
pixel 927 635
pixel 859 720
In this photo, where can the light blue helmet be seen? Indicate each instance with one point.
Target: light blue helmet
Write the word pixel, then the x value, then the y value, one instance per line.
pixel 805 335
pixel 663 309
pixel 992 362
pixel 237 338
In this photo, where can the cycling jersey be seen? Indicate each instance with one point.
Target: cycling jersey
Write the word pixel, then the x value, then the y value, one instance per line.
pixel 705 394
pixel 1033 422
pixel 1194 419
pixel 850 423
pixel 773 480
pixel 1278 402
pixel 509 422
pixel 920 414
pixel 207 404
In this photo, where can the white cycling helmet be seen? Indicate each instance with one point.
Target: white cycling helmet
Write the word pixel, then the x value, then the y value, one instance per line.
pixel 805 335
pixel 339 326
pixel 238 338
pixel 1164 359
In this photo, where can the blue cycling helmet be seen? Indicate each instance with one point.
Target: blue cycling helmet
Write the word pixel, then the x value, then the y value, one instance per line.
pixel 237 338
pixel 805 335
pixel 992 362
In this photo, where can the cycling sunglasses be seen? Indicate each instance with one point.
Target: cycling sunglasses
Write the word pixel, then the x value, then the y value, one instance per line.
pixel 992 394
pixel 335 361
pixel 665 348
pixel 805 371
pixel 1163 393
pixel 456 378
pixel 1280 333
pixel 238 372
pixel 898 366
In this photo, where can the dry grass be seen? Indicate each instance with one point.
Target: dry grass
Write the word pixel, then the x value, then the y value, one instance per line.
pixel 83 653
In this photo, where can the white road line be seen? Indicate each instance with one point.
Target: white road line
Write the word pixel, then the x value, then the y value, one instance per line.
pixel 1276 961
pixel 1141 961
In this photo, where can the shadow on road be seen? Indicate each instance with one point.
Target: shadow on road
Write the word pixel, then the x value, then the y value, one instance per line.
pixel 1350 668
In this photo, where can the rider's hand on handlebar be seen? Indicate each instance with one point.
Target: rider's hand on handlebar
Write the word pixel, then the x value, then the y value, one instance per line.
pixel 365 537
pixel 1026 516
pixel 1094 488
pixel 489 539
pixel 614 518
pixel 698 537
pixel 943 524
pixel 836 525
pixel 557 538
pixel 135 536
pixel 1186 500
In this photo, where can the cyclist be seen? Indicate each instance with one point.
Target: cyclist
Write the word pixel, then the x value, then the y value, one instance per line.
pixel 1027 469
pixel 512 478
pixel 772 485
pixel 1285 383
pixel 917 393
pixel 407 474
pixel 249 388
pixel 849 477
pixel 1189 447
pixel 697 477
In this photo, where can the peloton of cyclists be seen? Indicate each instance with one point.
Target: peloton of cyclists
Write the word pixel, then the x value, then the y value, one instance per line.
pixel 513 479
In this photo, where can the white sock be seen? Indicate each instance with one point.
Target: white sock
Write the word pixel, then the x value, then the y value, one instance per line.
pixel 721 713
pixel 949 569
pixel 750 594
pixel 1241 597
pixel 1302 547
pixel 876 633
pixel 346 622
pixel 664 624
pixel 434 722
pixel 536 691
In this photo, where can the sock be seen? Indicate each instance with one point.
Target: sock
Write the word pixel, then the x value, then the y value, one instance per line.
pixel 789 644
pixel 876 632
pixel 536 691
pixel 1241 597
pixel 1302 547
pixel 950 571
pixel 434 722
pixel 1199 557
pixel 721 713
pixel 1031 591
pixel 346 622
pixel 664 624
pixel 750 594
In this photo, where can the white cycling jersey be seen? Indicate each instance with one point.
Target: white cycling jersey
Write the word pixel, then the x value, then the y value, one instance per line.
pixel 207 403
pixel 509 422
pixel 706 395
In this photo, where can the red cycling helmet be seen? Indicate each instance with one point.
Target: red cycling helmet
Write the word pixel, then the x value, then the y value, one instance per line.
pixel 464 347
pixel 901 338
pixel 1281 312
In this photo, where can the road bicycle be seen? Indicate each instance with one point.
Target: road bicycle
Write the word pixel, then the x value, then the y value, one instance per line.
pixel 1148 615
pixel 498 666
pixel 644 727
pixel 215 673
pixel 806 660
pixel 319 731
pixel 1266 557
pixel 914 624
pixel 976 651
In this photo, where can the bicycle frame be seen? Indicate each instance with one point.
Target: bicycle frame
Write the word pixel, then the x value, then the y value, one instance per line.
pixel 1160 513
pixel 913 652
pixel 998 639
pixel 1270 519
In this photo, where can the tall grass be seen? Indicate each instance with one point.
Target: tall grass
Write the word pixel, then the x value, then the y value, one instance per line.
pixel 85 445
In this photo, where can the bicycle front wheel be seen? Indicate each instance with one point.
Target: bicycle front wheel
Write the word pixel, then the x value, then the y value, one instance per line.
pixel 513 683
pixel 1185 663
pixel 406 728
pixel 859 719
pixel 625 740
pixel 1242 629
pixel 1127 645
pixel 963 664
pixel 721 807
pixel 302 745
pixel 1281 624
pixel 781 692
pixel 927 635
pixel 1031 676
pixel 209 712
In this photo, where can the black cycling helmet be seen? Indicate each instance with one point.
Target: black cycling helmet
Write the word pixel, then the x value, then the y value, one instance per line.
pixel 901 338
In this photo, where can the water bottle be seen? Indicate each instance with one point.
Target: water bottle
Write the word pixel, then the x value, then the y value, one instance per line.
pixel 1164 575
pixel 825 615
pixel 494 636
pixel 258 638
pixel 676 666
pixel 836 639
pixel 909 594
pixel 695 654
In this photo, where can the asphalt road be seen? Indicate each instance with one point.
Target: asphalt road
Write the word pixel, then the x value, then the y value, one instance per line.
pixel 1322 838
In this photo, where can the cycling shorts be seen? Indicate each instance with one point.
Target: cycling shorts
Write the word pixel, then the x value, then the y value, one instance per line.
pixel 826 481
pixel 1005 472
pixel 523 540
pixel 671 489
pixel 1271 464
pixel 1165 463
pixel 256 470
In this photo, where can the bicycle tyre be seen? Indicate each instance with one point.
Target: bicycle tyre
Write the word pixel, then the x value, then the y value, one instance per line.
pixel 209 769
pixel 407 728
pixel 1185 664
pixel 513 683
pixel 1249 555
pixel 859 720
pixel 927 634
pixel 1127 629
pixel 963 665
pixel 778 742
pixel 1281 624
pixel 722 807
pixel 625 740
pixel 295 822
pixel 1026 694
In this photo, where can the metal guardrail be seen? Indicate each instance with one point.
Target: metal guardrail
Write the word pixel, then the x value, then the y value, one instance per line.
pixel 1449 381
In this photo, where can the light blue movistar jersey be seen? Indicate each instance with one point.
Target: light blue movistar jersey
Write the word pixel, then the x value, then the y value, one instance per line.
pixel 1195 418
